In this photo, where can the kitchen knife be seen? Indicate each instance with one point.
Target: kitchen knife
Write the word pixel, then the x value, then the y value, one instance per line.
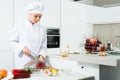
pixel 34 58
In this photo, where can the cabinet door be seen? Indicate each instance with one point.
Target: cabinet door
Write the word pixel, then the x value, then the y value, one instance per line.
pixel 51 16
pixel 98 15
pixel 6 60
pixel 5 22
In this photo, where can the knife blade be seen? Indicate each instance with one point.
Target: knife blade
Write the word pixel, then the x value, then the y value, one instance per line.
pixel 34 58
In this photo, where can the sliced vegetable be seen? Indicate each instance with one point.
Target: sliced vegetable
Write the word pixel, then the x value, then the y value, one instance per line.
pixel 29 69
pixel 40 65
pixel 20 73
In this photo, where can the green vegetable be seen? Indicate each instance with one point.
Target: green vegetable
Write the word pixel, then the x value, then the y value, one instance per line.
pixel 29 69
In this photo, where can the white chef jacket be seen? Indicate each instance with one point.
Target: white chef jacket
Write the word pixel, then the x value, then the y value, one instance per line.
pixel 27 35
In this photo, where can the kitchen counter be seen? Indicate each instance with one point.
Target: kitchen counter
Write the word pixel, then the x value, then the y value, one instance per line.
pixel 63 76
pixel 98 66
pixel 94 66
pixel 110 60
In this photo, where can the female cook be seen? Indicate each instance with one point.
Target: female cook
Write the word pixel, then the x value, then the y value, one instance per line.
pixel 29 38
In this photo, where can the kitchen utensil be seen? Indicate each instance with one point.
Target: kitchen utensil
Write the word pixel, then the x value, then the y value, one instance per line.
pixel 34 58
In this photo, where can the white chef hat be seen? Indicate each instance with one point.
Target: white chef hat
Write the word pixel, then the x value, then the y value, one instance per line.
pixel 35 7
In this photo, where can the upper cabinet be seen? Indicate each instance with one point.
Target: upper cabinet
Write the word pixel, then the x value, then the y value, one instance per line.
pixel 101 11
pixel 98 15
pixel 73 24
pixel 51 16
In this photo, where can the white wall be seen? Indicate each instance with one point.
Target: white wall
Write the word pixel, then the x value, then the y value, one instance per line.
pixel 51 18
pixel 73 25
pixel 51 15
pixel 6 20
pixel 99 15
pixel 5 23
pixel 19 10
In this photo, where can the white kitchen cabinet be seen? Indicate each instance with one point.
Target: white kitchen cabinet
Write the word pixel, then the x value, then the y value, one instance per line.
pixel 74 67
pixel 6 60
pixel 98 15
pixel 51 16
pixel 76 63
pixel 73 25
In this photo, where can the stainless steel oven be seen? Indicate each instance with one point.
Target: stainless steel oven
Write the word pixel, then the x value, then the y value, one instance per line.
pixel 53 37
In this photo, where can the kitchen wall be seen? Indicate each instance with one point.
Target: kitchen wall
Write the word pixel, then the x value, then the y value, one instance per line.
pixel 19 13
pixel 51 14
pixel 108 32
pixel 6 20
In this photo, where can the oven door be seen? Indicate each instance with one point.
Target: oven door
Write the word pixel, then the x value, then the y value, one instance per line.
pixel 53 41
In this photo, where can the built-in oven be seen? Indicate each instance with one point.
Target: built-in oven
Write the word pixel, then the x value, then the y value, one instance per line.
pixel 53 37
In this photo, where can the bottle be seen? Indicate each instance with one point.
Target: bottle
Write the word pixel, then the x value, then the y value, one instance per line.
pixel 109 46
pixel 68 49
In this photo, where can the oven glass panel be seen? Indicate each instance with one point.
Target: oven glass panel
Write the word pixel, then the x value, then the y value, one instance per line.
pixel 53 38
pixel 53 41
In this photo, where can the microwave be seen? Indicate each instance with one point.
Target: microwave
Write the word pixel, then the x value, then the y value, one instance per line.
pixel 53 38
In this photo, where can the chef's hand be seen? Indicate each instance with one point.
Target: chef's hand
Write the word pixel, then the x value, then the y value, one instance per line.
pixel 41 58
pixel 26 51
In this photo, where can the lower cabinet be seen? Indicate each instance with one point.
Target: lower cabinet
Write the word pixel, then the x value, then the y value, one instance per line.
pixel 6 60
pixel 109 72
pixel 80 71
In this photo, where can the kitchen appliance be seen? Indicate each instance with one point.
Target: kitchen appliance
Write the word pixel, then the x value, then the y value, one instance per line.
pixel 53 37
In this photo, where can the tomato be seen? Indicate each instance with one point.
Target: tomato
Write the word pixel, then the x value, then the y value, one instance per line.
pixel 40 65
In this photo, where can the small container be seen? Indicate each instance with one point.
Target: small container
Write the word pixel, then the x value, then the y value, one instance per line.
pixel 109 47
pixel 102 48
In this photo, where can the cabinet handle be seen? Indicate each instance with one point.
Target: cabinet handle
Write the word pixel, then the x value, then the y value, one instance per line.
pixel 82 67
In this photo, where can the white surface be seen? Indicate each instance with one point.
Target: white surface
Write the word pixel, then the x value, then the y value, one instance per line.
pixel 6 60
pixel 63 76
pixel 98 15
pixel 5 22
pixel 51 15
pixel 9 76
pixel 73 24
pixel 19 10
pixel 53 51
pixel 109 60
pixel 74 66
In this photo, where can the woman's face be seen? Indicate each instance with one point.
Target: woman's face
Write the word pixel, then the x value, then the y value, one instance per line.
pixel 34 17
